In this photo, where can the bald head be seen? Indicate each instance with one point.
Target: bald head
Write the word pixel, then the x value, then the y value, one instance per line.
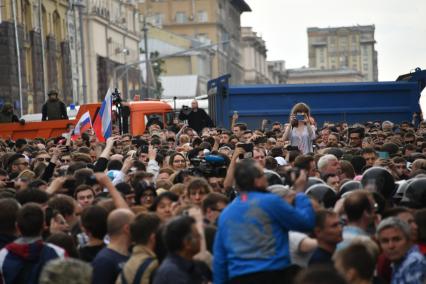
pixel 194 104
pixel 117 219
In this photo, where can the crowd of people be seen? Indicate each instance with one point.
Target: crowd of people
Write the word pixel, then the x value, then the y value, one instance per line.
pixel 291 202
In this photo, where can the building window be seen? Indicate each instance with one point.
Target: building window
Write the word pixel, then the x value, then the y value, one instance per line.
pixel 158 20
pixel 365 67
pixel 202 16
pixel 181 17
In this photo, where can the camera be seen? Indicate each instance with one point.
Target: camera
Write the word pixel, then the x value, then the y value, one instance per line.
pixel 210 166
pixel 300 117
pixel 248 149
pixel 116 97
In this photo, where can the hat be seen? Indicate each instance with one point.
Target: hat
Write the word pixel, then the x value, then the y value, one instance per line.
pixel 26 175
pixel 279 189
pixel 281 161
pixel 52 92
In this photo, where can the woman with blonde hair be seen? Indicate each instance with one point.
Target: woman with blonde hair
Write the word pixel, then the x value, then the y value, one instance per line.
pixel 300 131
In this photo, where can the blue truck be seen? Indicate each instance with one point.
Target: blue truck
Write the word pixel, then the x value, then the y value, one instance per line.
pixel 336 102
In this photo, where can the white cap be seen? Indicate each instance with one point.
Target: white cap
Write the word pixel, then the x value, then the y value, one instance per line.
pixel 281 161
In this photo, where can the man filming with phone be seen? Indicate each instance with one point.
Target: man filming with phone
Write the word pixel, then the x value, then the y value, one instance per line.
pixel 197 118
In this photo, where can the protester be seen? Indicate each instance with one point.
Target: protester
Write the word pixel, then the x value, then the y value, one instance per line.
pixel 109 261
pixel 394 236
pixel 22 260
pixel 197 118
pixel 300 131
pixel 182 240
pixel 239 244
pixel 328 232
pixel 142 263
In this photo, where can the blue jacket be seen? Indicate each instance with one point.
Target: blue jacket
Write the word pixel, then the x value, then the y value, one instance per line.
pixel 15 258
pixel 252 234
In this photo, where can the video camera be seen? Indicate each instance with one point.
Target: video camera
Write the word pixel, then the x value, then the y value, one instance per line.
pixel 210 166
pixel 116 97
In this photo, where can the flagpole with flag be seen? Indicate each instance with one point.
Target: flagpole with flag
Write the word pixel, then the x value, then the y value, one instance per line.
pixel 103 121
pixel 83 124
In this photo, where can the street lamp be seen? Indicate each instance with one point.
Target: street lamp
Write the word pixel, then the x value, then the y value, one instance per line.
pixel 18 55
pixel 125 52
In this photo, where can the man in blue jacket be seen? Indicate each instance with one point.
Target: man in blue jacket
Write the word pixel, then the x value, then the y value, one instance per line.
pixel 251 244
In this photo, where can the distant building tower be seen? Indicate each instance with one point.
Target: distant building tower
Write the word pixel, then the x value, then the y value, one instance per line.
pixel 344 48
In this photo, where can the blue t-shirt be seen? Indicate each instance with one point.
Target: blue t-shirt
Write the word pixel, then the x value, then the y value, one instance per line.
pixel 107 266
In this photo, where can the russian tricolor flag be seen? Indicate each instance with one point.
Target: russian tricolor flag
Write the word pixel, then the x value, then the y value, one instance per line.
pixel 103 121
pixel 84 124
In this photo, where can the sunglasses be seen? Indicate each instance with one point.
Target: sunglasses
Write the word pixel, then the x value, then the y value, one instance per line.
pixel 43 159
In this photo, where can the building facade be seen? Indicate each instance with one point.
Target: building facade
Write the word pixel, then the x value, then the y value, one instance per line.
pixel 316 75
pixel 344 47
pixel 44 52
pixel 208 21
pixel 111 36
pixel 276 72
pixel 194 66
pixel 253 57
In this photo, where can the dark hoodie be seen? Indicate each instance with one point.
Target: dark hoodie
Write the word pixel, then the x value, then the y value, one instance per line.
pixel 22 261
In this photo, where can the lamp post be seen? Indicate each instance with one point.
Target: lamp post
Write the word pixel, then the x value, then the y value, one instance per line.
pixel 80 5
pixel 145 41
pixel 18 55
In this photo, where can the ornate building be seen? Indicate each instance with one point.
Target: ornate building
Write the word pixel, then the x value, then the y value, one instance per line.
pixel 44 52
pixel 111 37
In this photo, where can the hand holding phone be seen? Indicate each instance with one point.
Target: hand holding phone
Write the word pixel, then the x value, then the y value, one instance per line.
pixel 300 117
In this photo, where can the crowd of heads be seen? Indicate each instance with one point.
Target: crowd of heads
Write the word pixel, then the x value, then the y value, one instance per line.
pixel 166 190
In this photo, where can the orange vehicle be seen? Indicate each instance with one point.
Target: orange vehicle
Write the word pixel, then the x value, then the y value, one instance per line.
pixel 139 114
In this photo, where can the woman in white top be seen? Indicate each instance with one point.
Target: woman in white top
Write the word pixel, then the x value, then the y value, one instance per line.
pixel 300 131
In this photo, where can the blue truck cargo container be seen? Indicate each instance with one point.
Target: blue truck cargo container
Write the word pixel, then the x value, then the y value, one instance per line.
pixel 336 102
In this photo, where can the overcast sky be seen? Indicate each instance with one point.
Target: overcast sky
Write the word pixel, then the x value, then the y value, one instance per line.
pixel 400 29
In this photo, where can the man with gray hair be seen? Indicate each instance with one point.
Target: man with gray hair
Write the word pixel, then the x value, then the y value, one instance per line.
pixel 409 265
pixel 329 164
pixel 387 126
pixel 70 271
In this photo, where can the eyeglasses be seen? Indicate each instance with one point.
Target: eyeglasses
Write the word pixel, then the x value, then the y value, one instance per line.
pixel 179 161
pixel 217 210
pixel 43 159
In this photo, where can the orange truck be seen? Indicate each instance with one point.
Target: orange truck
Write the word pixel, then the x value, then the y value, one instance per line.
pixel 140 113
